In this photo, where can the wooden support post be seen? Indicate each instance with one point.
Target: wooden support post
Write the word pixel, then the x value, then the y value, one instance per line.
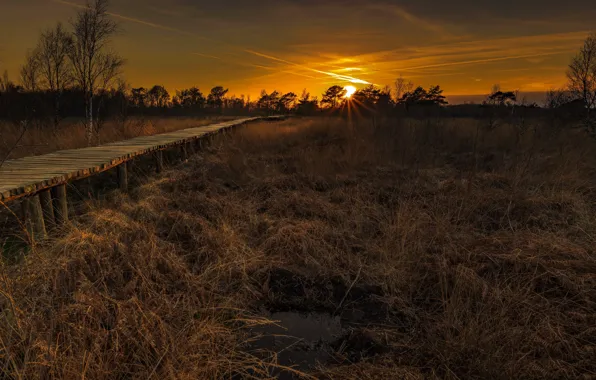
pixel 60 204
pixel 123 176
pixel 47 207
pixel 183 152
pixel 159 161
pixel 34 218
pixel 190 147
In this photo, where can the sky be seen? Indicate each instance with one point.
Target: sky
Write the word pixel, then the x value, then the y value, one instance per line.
pixel 465 46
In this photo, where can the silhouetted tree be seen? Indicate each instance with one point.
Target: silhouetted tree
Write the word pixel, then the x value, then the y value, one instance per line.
pixel 333 96
pixel 158 96
pixel 367 97
pixel 5 83
pixel 402 87
pixel 55 70
pixel 306 104
pixel 138 97
pixel 582 74
pixel 435 95
pixel 30 72
pixel 420 96
pixel 190 98
pixel 562 106
pixel 216 97
pixel 500 98
pixel 558 97
pixel 120 103
pixel 94 67
pixel 417 96
pixel 384 102
pixel 268 102
pixel 235 103
pixel 287 102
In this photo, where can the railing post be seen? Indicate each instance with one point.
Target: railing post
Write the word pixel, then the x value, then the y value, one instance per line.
pixel 48 208
pixel 159 161
pixel 60 204
pixel 123 176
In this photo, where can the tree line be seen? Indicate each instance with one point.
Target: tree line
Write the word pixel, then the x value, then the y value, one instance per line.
pixel 73 72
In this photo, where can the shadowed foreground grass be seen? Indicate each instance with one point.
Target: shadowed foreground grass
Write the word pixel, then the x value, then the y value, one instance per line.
pixel 472 251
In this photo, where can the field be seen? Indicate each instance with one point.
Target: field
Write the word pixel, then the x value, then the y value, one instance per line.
pixel 42 138
pixel 394 249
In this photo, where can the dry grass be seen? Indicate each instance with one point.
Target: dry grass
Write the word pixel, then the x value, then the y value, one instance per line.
pixel 41 138
pixel 481 245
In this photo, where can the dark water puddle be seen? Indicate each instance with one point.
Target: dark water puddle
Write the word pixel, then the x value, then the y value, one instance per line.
pixel 320 322
pixel 305 341
pixel 300 341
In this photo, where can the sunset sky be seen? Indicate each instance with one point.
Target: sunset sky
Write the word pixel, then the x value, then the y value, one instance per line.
pixel 464 45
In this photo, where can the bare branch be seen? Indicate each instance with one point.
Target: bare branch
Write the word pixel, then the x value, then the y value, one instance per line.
pixel 16 144
pixel 582 73
pixel 53 48
pixel 94 69
pixel 30 71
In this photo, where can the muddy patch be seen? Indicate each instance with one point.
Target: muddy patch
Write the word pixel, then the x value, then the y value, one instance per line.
pixel 355 303
pixel 300 343
pixel 320 323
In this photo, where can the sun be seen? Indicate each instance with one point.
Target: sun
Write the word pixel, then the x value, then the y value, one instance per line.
pixel 350 90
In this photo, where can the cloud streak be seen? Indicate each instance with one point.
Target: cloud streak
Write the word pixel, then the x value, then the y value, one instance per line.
pixel 250 51
pixel 340 77
pixel 137 21
pixel 323 41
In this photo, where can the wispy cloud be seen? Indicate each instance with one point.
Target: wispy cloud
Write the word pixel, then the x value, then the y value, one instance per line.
pixel 411 18
pixel 206 56
pixel 138 21
pixel 326 57
pixel 340 77
pixel 250 51
pixel 484 60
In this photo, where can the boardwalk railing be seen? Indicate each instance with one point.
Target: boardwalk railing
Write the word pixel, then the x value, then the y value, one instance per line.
pixel 41 180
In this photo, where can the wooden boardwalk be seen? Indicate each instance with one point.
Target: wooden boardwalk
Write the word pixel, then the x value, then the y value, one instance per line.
pixel 29 175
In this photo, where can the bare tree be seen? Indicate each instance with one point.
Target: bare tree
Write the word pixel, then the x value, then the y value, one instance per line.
pixel 94 67
pixel 5 83
pixel 582 74
pixel 402 87
pixel 54 67
pixel 30 71
pixel 555 98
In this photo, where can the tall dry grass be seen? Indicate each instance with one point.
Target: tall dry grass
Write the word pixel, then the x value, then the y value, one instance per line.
pixel 17 140
pixel 481 243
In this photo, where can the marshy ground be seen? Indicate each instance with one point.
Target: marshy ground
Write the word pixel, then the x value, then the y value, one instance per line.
pixel 325 249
